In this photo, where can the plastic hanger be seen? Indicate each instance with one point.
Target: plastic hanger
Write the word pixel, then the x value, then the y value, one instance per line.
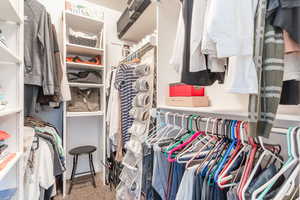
pixel 248 166
pixel 266 152
pixel 204 146
pixel 292 160
pixel 185 137
pixel 162 132
pixel 169 134
pixel 224 177
pixel 195 144
pixel 228 151
pixel 289 185
pixel 213 155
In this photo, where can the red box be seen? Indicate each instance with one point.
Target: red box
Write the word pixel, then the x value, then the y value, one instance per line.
pixel 183 90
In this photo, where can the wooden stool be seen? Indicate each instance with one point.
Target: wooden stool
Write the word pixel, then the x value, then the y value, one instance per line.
pixel 82 150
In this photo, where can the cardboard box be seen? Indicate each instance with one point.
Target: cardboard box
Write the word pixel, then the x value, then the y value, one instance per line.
pixel 188 101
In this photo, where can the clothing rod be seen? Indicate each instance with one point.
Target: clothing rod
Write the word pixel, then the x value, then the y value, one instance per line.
pixel 277 130
pixel 138 53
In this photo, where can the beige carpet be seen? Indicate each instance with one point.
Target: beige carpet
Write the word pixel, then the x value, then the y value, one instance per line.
pixel 86 191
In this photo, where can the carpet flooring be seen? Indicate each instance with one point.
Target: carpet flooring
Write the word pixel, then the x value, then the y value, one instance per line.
pixel 86 191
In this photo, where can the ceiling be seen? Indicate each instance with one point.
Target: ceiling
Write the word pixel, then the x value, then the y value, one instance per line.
pixel 113 4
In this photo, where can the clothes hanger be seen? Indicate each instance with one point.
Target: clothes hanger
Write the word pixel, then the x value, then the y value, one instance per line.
pixel 289 185
pixel 228 151
pixel 248 166
pixel 155 130
pixel 224 177
pixel 266 152
pixel 195 144
pixel 170 133
pixel 215 151
pixel 184 138
pixel 224 155
pixel 161 132
pixel 203 147
pixel 292 160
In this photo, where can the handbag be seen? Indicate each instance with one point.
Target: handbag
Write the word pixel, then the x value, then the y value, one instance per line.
pixel 85 77
pixel 84 100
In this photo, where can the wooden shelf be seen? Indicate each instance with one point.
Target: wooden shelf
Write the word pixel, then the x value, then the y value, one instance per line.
pixel 8 12
pixel 84 114
pixel 83 23
pixel 10 165
pixel 9 111
pixel 83 50
pixel 6 55
pixel 74 65
pixel 86 85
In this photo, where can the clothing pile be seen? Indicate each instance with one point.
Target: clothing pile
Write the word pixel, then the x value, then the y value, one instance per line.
pixel 209 159
pixel 247 41
pixel 45 77
pixel 46 161
pixel 83 60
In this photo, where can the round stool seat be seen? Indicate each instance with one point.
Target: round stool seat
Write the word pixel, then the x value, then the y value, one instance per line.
pixel 87 149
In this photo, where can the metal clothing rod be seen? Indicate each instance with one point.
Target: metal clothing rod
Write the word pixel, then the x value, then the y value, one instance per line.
pixel 138 53
pixel 277 130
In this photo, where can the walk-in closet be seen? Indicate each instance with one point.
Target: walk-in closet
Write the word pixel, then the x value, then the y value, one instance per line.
pixel 149 100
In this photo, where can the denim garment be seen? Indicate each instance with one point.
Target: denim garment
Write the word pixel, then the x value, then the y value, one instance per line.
pixel 177 174
pixel 147 190
pixel 7 194
pixel 160 172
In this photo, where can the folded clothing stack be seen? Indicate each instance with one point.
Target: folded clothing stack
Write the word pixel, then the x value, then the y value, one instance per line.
pixel 91 61
pixel 80 38
pixel 5 155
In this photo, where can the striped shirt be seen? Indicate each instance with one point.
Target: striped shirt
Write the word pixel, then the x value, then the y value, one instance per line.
pixel 125 78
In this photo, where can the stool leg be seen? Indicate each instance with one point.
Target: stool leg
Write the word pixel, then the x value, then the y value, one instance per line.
pixel 75 161
pixel 92 161
pixel 92 171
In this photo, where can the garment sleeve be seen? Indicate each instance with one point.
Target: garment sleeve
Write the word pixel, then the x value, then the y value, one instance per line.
pixel 119 78
pixel 48 72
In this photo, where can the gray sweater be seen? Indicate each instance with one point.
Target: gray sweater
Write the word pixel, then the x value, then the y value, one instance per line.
pixel 37 49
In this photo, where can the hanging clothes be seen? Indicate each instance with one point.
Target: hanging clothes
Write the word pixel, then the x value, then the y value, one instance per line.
pixel 125 78
pixel 205 77
pixel 37 47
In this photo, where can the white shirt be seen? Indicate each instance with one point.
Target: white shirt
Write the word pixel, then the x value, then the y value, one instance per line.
pixel 186 186
pixel 41 174
pixel 177 56
pixel 197 59
pixel 114 111
pixel 230 26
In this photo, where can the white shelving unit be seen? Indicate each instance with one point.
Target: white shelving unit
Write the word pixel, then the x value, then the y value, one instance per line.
pixel 84 114
pixel 86 85
pixel 74 65
pixel 9 11
pixel 144 25
pixel 84 50
pixel 85 128
pixel 6 55
pixel 10 165
pixel 11 81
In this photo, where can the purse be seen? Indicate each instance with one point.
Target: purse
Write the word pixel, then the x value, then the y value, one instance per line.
pixel 84 100
pixel 85 77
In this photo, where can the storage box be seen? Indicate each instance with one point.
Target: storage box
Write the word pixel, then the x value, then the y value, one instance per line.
pixel 183 90
pixel 188 101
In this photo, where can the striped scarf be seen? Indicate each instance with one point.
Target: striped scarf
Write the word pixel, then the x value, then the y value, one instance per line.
pixel 268 57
